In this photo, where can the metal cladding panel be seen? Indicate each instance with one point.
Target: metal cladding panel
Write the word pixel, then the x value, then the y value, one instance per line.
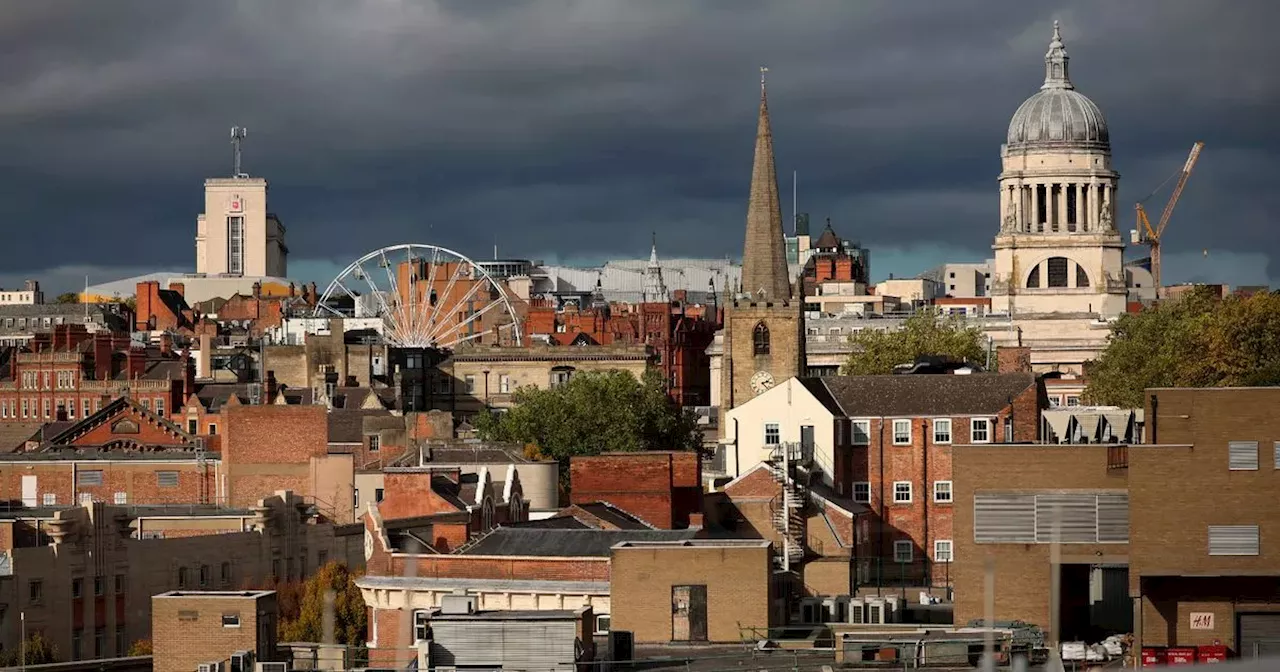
pixel 517 645
pixel 1000 518
pixel 1242 455
pixel 1259 635
pixel 1233 540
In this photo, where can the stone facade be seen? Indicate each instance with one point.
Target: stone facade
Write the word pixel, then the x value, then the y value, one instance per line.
pixel 236 235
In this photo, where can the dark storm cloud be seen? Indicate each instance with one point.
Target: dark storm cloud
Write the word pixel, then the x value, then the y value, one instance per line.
pixel 577 127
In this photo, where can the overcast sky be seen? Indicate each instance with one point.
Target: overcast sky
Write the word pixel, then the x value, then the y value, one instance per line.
pixel 571 129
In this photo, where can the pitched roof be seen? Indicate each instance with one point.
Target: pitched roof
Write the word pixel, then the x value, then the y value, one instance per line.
pixel 13 435
pixel 111 410
pixel 924 394
pixel 565 542
pixel 615 516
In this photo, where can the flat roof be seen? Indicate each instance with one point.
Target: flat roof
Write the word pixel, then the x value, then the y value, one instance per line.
pixel 485 585
pixel 512 615
pixel 695 543
pixel 237 594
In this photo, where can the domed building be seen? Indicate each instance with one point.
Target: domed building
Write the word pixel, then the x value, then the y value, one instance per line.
pixel 1058 268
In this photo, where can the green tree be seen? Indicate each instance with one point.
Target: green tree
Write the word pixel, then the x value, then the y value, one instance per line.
pixel 38 650
pixel 877 351
pixel 349 616
pixel 592 413
pixel 142 647
pixel 1197 340
pixel 67 297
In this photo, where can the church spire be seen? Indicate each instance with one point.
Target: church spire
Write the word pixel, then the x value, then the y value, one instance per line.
pixel 764 255
pixel 1055 63
pixel 655 290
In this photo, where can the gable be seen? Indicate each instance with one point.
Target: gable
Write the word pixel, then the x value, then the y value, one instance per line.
pixel 124 423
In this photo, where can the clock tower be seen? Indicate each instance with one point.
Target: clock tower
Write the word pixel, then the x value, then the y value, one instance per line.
pixel 763 323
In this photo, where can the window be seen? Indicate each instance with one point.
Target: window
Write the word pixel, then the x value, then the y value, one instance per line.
pixel 942 550
pixel 99 586
pixel 377 494
pixel 1057 271
pixel 213 429
pixel 1233 540
pixel 421 626
pixel 76 636
pixel 120 498
pixel 375 442
pixel 225 573
pixel 160 406
pixel 204 576
pixel 1073 400
pixel 182 577
pixel 24 408
pixel 1082 278
pixel 45 406
pixel 942 492
pixel 862 492
pixel 89 477
pixel 1242 455
pixel 235 245
pixel 902 551
pixel 559 376
pixel 84 408
pixel 355 497
pixel 121 648
pixel 901 432
pixel 166 479
pixel 50 499
pixel 1033 278
pixel 861 432
pixel 470 382
pixel 86 499
pixel 980 430
pixel 35 591
pixel 193 426
pixel 760 339
pixel 902 492
pixel 120 584
pixel 504 384
pixel 231 619
pixel 942 430
pixel 77 588
pixel 146 404
pixel 602 624
pixel 1055 401
pixel 322 558
pixel 772 434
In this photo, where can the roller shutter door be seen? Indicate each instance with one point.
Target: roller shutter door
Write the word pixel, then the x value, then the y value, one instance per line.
pixel 1259 635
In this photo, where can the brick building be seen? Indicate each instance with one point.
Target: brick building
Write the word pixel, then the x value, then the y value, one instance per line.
pixel 83 578
pixel 191 628
pixel 1186 570
pixel 69 373
pixel 663 488
pixel 700 590
pixel 477 501
pixel 19 324
pixel 884 442
pixel 830 261
pixel 162 309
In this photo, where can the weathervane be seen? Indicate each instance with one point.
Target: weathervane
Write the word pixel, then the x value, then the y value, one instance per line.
pixel 238 134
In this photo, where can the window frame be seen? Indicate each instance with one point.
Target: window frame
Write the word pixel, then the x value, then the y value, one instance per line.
pixel 867 498
pixel 910 492
pixel 951 496
pixel 853 432
pixel 421 624
pixel 777 430
pixel 910 547
pixel 894 431
pixel 950 430
pixel 973 430
pixel 951 550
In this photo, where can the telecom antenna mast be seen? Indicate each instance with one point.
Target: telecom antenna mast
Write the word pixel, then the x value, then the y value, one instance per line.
pixel 238 134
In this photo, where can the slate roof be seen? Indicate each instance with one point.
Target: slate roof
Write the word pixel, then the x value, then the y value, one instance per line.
pixel 558 522
pixel 615 516
pixel 13 435
pixel 915 395
pixel 347 425
pixel 514 541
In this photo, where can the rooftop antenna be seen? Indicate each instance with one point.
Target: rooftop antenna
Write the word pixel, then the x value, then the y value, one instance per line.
pixel 238 134
pixel 795 204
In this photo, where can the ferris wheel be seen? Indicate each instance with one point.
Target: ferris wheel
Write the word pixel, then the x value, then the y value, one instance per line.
pixel 426 296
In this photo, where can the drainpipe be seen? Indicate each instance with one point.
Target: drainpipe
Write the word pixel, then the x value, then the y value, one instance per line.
pixel 880 525
pixel 927 490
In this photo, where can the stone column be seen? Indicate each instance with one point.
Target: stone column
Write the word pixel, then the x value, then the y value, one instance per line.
pixel 1062 206
pixel 1080 208
pixel 1035 207
pixel 1021 205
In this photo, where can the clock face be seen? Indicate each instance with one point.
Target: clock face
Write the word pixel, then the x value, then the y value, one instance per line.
pixel 762 381
pixel 368 544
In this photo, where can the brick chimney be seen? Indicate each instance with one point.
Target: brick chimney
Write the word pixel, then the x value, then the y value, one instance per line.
pixel 269 388
pixel 179 287
pixel 135 363
pixel 1011 359
pixel 206 355
pixel 257 290
pixel 166 344
pixel 102 352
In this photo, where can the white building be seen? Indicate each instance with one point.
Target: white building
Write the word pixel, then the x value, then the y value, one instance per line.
pixel 29 295
pixel 236 235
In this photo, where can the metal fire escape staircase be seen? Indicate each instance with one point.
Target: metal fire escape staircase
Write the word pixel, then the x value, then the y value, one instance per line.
pixel 789 466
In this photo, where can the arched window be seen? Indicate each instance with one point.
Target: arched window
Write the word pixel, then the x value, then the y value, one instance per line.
pixel 1057 271
pixel 761 339
pixel 1033 280
pixel 1082 278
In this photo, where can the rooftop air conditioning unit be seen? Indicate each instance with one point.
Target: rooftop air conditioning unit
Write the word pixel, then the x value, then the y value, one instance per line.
pixel 241 661
pixel 857 611
pixel 875 611
pixel 210 667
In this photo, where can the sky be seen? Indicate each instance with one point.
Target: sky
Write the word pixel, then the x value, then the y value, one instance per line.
pixel 572 130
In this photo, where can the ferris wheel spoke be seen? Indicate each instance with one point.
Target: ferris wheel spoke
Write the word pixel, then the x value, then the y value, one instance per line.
pixel 474 316
pixel 440 300
pixel 475 286
pixel 463 339
pixel 429 290
pixel 397 306
pixel 359 273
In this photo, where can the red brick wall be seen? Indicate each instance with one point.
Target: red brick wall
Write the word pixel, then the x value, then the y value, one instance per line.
pixel 270 448
pixel 137 481
pixel 149 432
pixel 686 476
pixel 639 483
pixel 504 567
pixel 406 495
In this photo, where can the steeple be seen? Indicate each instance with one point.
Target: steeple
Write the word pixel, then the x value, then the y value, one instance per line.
pixel 764 255
pixel 1055 63
pixel 655 290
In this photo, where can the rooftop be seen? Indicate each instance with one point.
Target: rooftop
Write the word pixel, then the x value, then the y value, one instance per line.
pixel 918 394
pixel 216 594
pixel 534 542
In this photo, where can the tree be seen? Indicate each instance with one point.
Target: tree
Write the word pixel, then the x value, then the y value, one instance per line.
pixel 877 351
pixel 67 297
pixel 592 413
pixel 38 650
pixel 1197 340
pixel 349 616
pixel 142 647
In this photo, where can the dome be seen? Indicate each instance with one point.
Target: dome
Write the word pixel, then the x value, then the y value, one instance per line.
pixel 1058 116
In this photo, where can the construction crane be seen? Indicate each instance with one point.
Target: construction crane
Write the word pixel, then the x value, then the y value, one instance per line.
pixel 1150 236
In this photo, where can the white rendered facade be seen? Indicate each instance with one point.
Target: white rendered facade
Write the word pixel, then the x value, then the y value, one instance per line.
pixel 235 235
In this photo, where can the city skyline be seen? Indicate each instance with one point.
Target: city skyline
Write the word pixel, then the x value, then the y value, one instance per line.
pixel 380 123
